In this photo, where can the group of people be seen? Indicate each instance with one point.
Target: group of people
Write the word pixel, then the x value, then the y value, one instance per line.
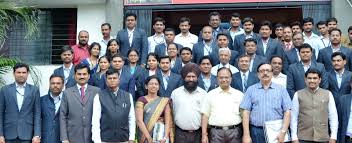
pixel 223 86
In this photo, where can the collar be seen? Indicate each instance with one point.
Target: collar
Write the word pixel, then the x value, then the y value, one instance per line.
pixel 57 97
pixel 314 91
pixel 160 36
pixel 230 91
pixel 334 49
pixel 252 33
pixel 187 36
pixel 246 73
pixel 281 75
pixel 343 70
pixel 217 29
pixel 260 85
pixel 265 41
pixel 63 66
pixel 105 41
pixel 310 63
pixel 23 86
pixel 239 29
pixel 168 74
pixel 227 65
pixel 288 43
pixel 203 77
pixel 195 91
pixel 115 92
pixel 79 87
pixel 313 35
pixel 129 31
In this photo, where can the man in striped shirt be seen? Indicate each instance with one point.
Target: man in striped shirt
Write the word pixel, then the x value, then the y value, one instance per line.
pixel 264 101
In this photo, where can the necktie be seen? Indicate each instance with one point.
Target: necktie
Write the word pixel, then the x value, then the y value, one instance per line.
pixel 82 93
pixel 244 82
pixel 287 46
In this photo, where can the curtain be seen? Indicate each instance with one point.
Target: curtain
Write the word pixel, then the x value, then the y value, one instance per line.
pixel 319 12
pixel 144 19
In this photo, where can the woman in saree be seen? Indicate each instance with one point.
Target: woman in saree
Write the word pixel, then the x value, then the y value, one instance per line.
pixel 153 112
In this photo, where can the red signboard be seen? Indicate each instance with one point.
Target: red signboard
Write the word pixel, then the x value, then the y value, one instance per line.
pixel 161 2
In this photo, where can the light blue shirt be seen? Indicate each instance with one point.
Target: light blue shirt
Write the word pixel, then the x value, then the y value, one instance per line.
pixel 207 82
pixel 339 78
pixel 57 101
pixel 20 95
pixel 266 104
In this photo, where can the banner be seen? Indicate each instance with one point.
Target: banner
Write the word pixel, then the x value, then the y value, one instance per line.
pixel 163 2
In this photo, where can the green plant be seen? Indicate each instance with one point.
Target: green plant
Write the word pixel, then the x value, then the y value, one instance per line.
pixel 10 13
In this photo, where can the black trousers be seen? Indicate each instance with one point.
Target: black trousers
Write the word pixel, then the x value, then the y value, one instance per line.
pixel 183 136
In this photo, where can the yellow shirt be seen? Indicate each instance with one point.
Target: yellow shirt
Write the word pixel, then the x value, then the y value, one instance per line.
pixel 222 107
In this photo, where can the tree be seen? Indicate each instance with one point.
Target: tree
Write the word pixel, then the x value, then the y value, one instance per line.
pixel 10 13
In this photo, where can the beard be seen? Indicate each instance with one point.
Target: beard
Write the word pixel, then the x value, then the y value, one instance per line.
pixel 191 85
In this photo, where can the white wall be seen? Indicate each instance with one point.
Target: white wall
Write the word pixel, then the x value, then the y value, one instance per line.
pixel 90 17
pixel 342 11
pixel 44 71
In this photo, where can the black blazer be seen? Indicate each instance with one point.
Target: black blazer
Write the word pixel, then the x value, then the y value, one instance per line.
pixel 23 124
pixel 296 74
pixel 239 42
pixel 291 57
pixel 324 57
pixel 175 81
pixel 213 83
pixel 258 59
pixel 345 84
pixel 198 52
pixel 237 80
pixel 70 80
pixel 343 109
pixel 50 120
pixel 273 48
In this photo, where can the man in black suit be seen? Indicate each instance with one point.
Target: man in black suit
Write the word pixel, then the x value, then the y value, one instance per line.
pixel 267 46
pixel 207 47
pixel 206 80
pixel 244 78
pixel 20 109
pixel 50 105
pixel 133 37
pixel 66 71
pixel 186 57
pixel 215 22
pixel 339 78
pixel 169 80
pixel 161 49
pixel 296 72
pixel 248 26
pixel 325 53
pixel 250 49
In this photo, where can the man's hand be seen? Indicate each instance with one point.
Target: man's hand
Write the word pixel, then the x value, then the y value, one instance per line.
pixel 295 141
pixel 246 139
pixel 65 141
pixel 130 141
pixel 36 139
pixel 205 138
pixel 332 141
pixel 281 137
pixel 2 139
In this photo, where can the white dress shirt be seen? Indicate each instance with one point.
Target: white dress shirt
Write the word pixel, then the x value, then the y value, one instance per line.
pixel 339 78
pixel 97 116
pixel 103 46
pixel 315 42
pixel 234 34
pixel 280 79
pixel 214 69
pixel 67 72
pixel 186 41
pixel 155 40
pixel 130 35
pixel 207 49
pixel 349 125
pixel 186 107
pixel 57 101
pixel 20 94
pixel 333 119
